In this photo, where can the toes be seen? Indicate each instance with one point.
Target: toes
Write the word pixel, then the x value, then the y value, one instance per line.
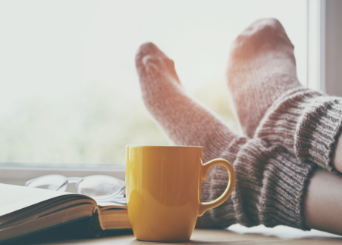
pixel 264 34
pixel 146 58
pixel 148 53
pixel 150 59
pixel 149 48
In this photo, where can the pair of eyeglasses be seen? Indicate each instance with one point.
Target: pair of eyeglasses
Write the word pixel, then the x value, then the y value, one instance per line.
pixel 99 187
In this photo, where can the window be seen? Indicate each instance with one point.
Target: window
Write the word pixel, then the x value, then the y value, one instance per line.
pixel 69 92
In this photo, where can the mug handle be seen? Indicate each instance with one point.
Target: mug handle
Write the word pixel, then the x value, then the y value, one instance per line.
pixel 204 206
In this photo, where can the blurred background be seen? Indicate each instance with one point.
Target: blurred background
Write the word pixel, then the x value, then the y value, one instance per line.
pixel 69 93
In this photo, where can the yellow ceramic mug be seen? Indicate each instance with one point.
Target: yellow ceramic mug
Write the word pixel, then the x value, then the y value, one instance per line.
pixel 163 185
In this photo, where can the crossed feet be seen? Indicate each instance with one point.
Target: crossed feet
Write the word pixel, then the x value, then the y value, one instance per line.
pixel 261 68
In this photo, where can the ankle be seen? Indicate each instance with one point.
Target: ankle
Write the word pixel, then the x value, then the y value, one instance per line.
pixel 338 155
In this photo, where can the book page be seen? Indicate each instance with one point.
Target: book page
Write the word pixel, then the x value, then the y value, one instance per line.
pixel 108 205
pixel 13 197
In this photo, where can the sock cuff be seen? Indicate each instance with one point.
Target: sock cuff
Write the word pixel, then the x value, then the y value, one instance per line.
pixel 318 130
pixel 270 188
pixel 307 122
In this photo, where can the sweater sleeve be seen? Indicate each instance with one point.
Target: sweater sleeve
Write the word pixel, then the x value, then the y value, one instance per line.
pixel 270 187
pixel 307 122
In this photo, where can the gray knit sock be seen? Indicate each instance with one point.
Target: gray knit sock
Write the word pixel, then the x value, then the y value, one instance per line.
pixel 270 180
pixel 261 68
pixel 270 189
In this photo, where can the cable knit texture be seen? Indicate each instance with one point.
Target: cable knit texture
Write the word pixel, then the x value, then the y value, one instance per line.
pixel 270 187
pixel 297 128
pixel 307 122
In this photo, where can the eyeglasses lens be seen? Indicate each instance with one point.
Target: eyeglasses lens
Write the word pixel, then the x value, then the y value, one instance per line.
pixel 51 182
pixel 100 186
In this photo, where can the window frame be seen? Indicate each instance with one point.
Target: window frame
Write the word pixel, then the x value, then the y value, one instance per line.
pixel 18 175
pixel 316 44
pixel 332 47
pixel 324 52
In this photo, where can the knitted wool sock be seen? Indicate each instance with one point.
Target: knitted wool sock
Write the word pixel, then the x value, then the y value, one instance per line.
pixel 263 84
pixel 270 182
pixel 261 68
pixel 181 117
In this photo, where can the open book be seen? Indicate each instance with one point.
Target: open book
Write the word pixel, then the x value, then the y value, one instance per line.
pixel 26 210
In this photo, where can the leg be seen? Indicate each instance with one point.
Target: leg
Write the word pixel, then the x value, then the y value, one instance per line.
pixel 262 68
pixel 338 155
pixel 323 203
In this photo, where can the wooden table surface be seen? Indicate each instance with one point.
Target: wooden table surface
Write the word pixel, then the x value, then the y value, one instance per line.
pixel 236 234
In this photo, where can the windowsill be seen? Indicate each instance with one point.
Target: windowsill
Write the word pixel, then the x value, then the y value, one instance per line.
pixel 18 175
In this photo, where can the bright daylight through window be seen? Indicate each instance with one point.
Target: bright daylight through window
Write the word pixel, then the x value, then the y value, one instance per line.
pixel 69 90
